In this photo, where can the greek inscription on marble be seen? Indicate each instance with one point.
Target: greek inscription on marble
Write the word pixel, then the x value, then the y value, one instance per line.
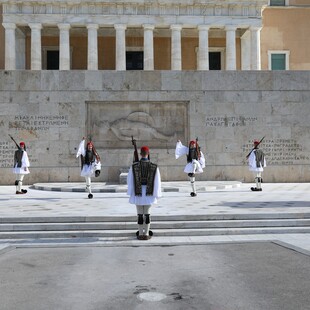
pixel 6 154
pixel 38 122
pixel 281 151
pixel 229 121
pixel 7 150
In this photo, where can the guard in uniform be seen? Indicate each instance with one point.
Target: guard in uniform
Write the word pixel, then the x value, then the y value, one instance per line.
pixel 257 162
pixel 144 187
pixel 90 162
pixel 195 161
pixel 21 167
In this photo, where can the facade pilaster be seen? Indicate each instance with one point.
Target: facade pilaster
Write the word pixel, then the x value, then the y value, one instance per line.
pixel 92 52
pixel 64 46
pixel 36 54
pixel 10 46
pixel 203 50
pixel 255 48
pixel 120 59
pixel 176 54
pixel 148 47
pixel 230 47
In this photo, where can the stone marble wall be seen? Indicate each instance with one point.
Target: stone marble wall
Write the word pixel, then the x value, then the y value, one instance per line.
pixel 52 110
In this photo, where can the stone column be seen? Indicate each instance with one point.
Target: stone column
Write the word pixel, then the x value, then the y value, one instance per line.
pixel 36 53
pixel 10 46
pixel 148 47
pixel 203 49
pixel 230 47
pixel 120 61
pixel 255 48
pixel 176 53
pixel 92 51
pixel 64 46
pixel 246 51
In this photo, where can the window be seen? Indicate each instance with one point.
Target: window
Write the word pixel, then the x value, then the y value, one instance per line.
pixel 52 60
pixel 134 60
pixel 214 60
pixel 277 3
pixel 278 60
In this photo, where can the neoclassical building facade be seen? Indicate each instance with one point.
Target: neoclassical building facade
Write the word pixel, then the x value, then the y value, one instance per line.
pixel 120 35
pixel 155 35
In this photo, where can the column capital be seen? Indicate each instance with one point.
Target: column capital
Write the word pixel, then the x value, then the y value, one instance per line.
pixel 9 25
pixel 120 26
pixel 37 26
pixel 92 26
pixel 230 28
pixel 204 27
pixel 148 27
pixel 255 28
pixel 176 27
pixel 64 26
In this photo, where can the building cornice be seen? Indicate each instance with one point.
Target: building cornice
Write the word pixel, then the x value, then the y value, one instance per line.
pixel 239 8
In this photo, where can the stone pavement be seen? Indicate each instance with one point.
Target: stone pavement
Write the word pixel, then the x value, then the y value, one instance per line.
pixel 234 276
pixel 214 199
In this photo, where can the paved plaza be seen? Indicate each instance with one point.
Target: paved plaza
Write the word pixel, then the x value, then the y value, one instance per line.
pixel 216 272
pixel 246 276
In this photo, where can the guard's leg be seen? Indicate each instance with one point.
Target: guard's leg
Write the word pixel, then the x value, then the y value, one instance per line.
pixel 16 184
pixel 88 187
pixel 193 185
pixel 19 183
pixel 24 191
pixel 147 222
pixel 259 181
pixel 140 221
pixel 192 178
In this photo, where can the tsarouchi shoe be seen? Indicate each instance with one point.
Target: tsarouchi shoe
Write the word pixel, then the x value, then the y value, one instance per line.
pixel 255 189
pixel 144 237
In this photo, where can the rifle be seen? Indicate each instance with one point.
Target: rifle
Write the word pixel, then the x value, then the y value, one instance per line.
pixel 261 140
pixel 135 154
pixel 198 149
pixel 16 142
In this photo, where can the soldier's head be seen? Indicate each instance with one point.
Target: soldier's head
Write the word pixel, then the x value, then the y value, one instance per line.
pixel 255 143
pixel 22 145
pixel 89 146
pixel 192 144
pixel 145 151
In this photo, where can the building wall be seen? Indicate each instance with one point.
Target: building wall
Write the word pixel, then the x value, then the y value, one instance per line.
pixel 299 2
pixel 1 41
pixel 287 29
pixel 52 110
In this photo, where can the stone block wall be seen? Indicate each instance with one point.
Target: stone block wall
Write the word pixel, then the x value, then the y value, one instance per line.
pixel 52 110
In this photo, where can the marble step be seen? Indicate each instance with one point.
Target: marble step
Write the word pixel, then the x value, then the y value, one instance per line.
pixel 76 226
pixel 158 232
pixel 133 218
